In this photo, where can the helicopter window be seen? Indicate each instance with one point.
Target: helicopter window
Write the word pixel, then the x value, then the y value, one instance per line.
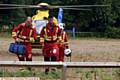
pixel 39 24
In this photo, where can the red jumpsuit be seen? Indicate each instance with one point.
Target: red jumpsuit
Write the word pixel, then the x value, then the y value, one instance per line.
pixel 49 37
pixel 63 46
pixel 26 35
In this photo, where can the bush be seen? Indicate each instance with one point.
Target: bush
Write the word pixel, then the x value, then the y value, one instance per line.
pixel 88 34
pixel 112 32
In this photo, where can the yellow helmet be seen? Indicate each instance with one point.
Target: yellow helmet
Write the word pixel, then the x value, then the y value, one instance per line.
pixel 55 21
pixel 43 4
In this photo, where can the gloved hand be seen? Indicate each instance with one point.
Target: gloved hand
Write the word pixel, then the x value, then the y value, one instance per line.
pixel 32 40
pixel 24 37
pixel 17 40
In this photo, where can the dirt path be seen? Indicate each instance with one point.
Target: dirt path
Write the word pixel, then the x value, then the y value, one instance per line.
pixel 83 50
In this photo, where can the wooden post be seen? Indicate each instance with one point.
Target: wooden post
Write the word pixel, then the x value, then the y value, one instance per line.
pixel 64 69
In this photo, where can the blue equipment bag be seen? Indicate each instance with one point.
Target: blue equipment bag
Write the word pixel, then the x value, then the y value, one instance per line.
pixel 11 47
pixel 17 48
pixel 21 49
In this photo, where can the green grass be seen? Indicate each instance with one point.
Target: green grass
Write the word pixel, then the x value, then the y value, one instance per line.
pixel 29 73
pixel 95 73
pixel 85 74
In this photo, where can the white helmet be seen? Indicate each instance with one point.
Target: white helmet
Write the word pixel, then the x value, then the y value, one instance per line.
pixel 61 25
pixel 67 52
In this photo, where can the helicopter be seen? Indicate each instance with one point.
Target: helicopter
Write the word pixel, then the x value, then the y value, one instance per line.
pixel 40 19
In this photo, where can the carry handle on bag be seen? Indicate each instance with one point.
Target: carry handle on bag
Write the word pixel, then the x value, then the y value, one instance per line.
pixel 17 48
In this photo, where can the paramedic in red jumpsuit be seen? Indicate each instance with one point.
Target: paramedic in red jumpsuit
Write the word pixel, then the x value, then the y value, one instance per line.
pixel 64 44
pixel 50 36
pixel 25 34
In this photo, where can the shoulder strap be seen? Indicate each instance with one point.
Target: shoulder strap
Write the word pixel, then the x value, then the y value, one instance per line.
pixel 56 30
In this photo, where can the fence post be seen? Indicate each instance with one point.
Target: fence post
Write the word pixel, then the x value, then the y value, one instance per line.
pixel 73 32
pixel 64 69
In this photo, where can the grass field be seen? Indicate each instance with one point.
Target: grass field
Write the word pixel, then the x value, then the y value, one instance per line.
pixel 84 49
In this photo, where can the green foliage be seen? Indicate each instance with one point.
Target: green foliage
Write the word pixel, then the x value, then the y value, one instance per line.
pixel 112 32
pixel 117 73
pixel 24 73
pixel 5 73
pixel 29 73
pixel 85 74
pixel 51 75
pixel 89 34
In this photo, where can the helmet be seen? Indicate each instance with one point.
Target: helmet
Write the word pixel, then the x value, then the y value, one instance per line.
pixel 67 52
pixel 55 20
pixel 61 25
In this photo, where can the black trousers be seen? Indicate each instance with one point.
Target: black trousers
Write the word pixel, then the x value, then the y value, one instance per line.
pixel 53 58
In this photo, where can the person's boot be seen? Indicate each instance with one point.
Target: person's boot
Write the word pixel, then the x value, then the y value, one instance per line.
pixel 21 58
pixel 46 70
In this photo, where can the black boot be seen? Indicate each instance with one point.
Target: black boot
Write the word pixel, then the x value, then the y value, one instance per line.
pixel 46 71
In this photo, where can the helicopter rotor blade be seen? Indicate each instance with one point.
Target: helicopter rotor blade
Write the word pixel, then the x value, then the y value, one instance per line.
pixel 12 7
pixel 74 6
pixel 55 6
pixel 17 5
pixel 82 9
pixel 38 7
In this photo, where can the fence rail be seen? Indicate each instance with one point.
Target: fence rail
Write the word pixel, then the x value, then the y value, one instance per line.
pixel 55 64
pixel 63 65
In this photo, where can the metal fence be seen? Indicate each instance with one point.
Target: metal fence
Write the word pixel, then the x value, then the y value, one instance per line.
pixel 63 65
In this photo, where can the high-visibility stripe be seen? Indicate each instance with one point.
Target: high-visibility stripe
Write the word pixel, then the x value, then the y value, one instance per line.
pixel 60 38
pixel 54 37
pixel 32 39
pixel 45 30
pixel 30 32
pixel 20 36
pixel 41 39
pixel 63 36
pixel 56 30
pixel 38 36
pixel 49 38
pixel 45 33
pixel 14 34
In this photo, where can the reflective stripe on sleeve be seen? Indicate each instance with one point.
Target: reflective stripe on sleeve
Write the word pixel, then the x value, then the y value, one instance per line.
pixel 59 38
pixel 32 39
pixel 14 34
